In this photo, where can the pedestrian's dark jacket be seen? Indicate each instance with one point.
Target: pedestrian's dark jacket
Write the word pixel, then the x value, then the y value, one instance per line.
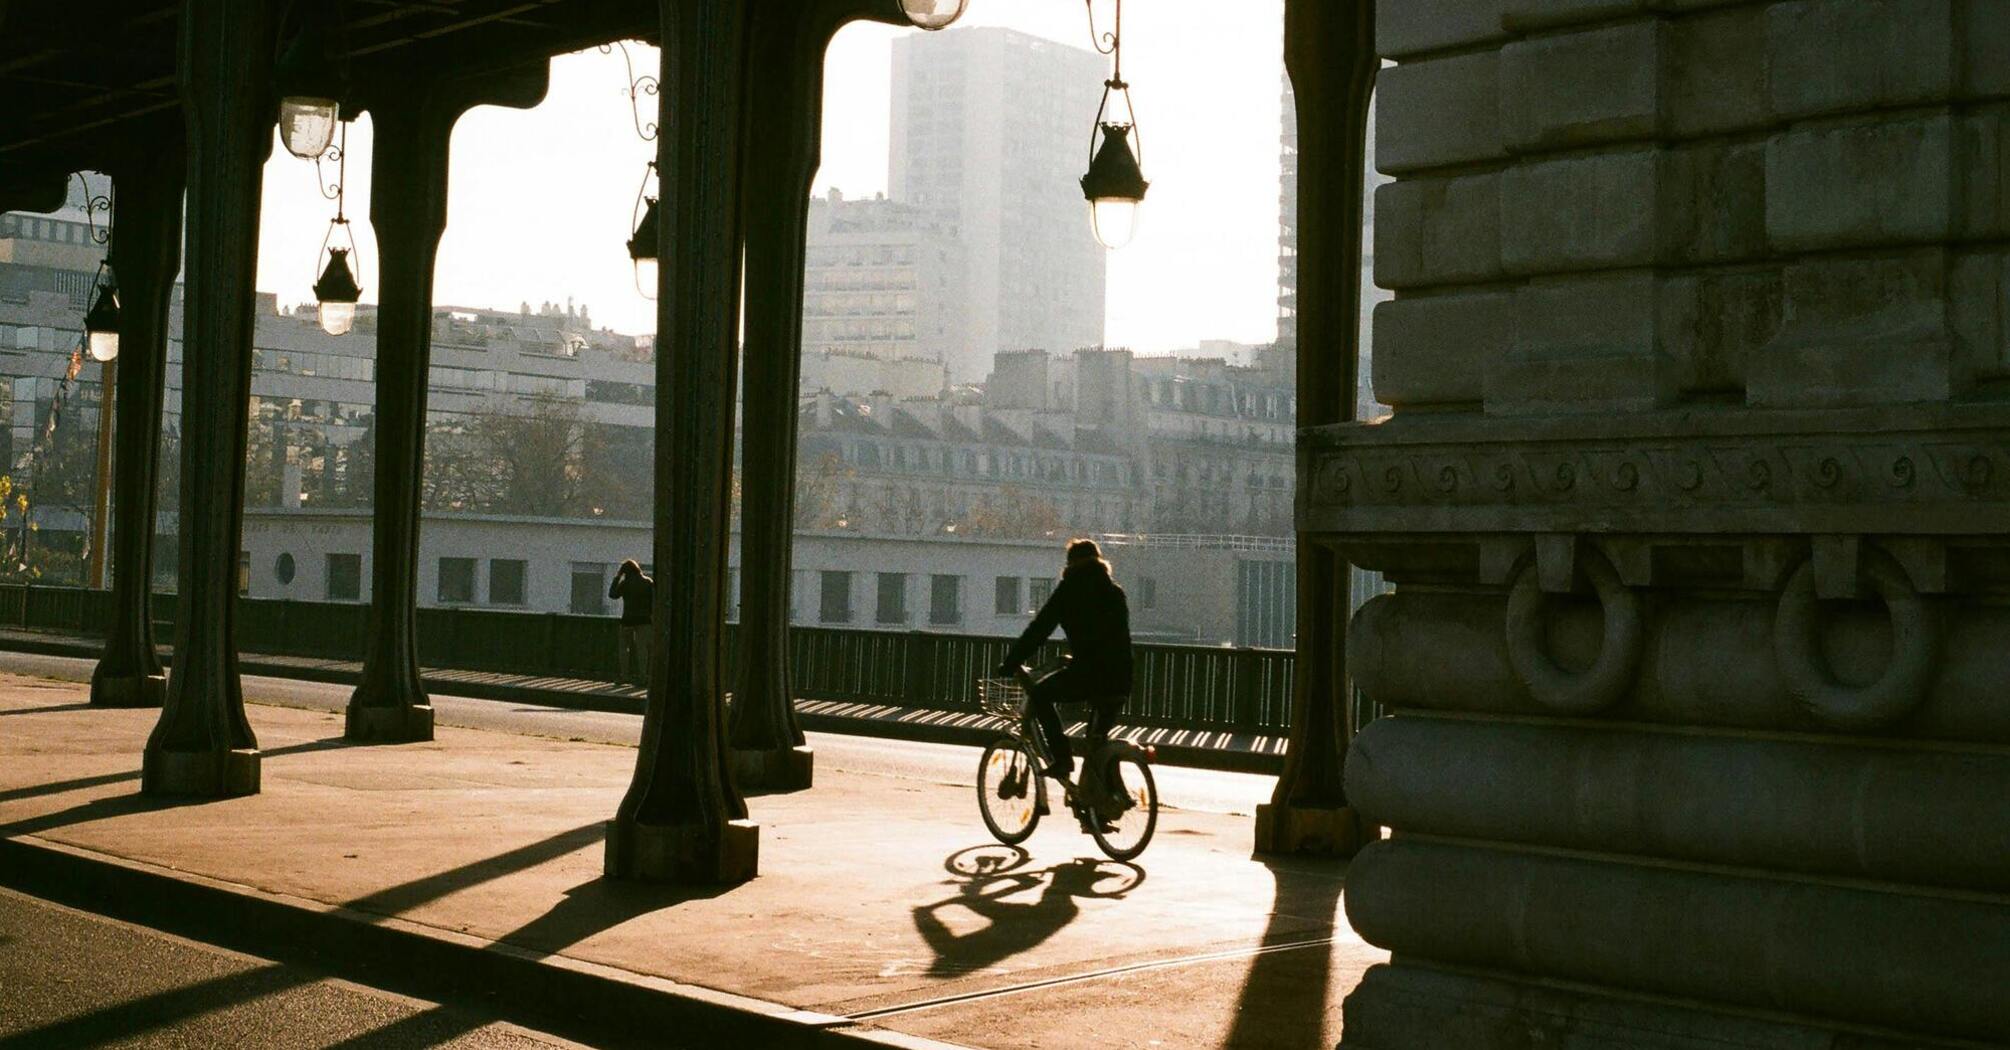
pixel 1090 609
pixel 637 593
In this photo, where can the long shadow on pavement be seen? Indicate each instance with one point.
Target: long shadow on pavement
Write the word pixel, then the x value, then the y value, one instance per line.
pixel 61 786
pixel 432 1027
pixel 597 906
pixel 121 1022
pixel 95 809
pixel 333 743
pixel 52 709
pixel 989 875
pixel 121 805
pixel 396 900
pixel 1284 998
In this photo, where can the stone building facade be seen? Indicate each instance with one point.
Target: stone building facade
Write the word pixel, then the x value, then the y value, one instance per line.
pixel 1694 497
pixel 1095 441
pixel 882 280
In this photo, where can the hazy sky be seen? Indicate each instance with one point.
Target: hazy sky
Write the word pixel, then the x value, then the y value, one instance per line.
pixel 541 200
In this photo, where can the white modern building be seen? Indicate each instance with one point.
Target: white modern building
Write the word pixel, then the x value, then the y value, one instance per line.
pixel 1204 590
pixel 991 127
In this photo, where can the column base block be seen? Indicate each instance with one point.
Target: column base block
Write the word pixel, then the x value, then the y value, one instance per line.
pixel 770 772
pixel 200 774
pixel 683 854
pixel 1326 831
pixel 1402 1006
pixel 136 690
pixel 389 725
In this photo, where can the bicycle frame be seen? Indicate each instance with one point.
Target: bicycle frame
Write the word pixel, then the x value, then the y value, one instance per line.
pixel 1027 731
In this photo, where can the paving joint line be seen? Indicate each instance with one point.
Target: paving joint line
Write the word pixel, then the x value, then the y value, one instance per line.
pixel 1112 971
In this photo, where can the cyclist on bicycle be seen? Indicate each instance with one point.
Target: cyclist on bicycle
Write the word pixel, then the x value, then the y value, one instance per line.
pixel 1091 610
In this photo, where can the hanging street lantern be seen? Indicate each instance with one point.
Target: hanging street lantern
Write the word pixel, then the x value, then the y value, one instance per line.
pixel 642 249
pixel 933 14
pixel 1115 187
pixel 1115 183
pixel 101 324
pixel 338 292
pixel 642 246
pixel 336 289
pixel 311 86
pixel 307 124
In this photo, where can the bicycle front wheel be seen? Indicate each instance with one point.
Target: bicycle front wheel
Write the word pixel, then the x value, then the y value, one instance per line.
pixel 1008 790
pixel 1131 813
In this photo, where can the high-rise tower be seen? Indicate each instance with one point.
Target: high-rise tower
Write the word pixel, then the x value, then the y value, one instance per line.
pixel 992 127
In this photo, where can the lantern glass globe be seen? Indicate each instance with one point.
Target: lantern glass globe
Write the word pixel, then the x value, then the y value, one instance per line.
pixel 307 124
pixel 104 346
pixel 1115 220
pixel 933 14
pixel 338 318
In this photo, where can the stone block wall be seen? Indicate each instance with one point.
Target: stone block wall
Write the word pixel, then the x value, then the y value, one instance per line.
pixel 1695 495
pixel 1700 147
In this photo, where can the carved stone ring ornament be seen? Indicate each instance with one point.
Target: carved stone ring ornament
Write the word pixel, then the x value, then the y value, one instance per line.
pixel 1575 692
pixel 1914 642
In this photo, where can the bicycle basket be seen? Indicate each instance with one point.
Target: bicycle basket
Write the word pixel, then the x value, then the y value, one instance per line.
pixel 1002 697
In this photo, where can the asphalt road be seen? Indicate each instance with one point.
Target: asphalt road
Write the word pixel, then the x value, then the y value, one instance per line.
pixel 1180 788
pixel 70 979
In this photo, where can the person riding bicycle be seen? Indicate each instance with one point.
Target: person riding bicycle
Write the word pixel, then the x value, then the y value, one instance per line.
pixel 1091 610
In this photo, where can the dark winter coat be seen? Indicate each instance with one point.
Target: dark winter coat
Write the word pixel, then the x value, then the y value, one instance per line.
pixel 638 596
pixel 1091 610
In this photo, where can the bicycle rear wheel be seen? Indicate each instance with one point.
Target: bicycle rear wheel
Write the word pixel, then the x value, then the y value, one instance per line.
pixel 1008 790
pixel 1126 826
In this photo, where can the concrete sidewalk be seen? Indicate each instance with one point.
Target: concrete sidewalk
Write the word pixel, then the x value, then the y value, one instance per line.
pixel 883 911
pixel 1238 752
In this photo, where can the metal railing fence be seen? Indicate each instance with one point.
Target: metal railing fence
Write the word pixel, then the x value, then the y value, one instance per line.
pixel 1199 688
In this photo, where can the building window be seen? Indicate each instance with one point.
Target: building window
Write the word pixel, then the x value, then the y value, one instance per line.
pixel 243 573
pixel 945 600
pixel 589 588
pixel 835 603
pixel 1005 601
pixel 345 577
pixel 457 579
pixel 892 598
pixel 506 578
pixel 1041 589
pixel 283 569
pixel 1148 592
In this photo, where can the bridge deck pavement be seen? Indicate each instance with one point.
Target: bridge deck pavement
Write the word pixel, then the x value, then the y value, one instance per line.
pixel 879 897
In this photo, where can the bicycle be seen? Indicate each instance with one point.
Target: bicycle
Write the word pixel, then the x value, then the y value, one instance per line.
pixel 1117 801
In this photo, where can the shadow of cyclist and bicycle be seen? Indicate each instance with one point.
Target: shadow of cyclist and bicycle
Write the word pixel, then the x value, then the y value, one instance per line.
pixel 1002 908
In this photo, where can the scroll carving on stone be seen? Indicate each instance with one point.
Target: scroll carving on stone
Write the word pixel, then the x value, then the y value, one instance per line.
pixel 1508 474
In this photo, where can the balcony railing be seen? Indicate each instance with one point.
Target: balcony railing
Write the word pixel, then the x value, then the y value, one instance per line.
pixel 1199 688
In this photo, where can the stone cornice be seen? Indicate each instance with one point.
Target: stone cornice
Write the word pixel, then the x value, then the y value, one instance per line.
pixel 1915 469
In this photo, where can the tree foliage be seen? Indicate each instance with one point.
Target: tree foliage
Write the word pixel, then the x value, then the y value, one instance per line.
pixel 537 458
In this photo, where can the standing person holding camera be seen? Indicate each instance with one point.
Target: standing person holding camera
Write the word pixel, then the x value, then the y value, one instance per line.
pixel 638 598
